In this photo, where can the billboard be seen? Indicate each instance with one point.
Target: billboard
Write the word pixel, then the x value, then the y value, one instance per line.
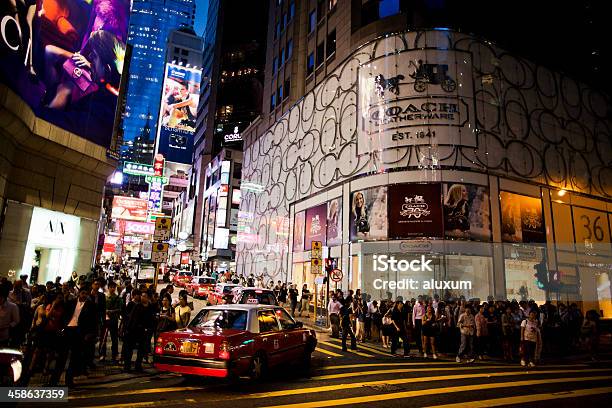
pixel 467 213
pixel 316 225
pixel 334 222
pixel 141 228
pixel 64 58
pixel 522 219
pixel 178 112
pixel 415 210
pixel 298 231
pixel 368 217
pixel 129 208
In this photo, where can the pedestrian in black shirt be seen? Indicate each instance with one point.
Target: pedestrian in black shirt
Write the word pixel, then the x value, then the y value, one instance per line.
pixel 138 327
pixel 345 322
pixel 398 318
pixel 293 299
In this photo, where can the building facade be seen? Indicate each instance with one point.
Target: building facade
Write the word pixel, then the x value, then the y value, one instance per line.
pixel 232 92
pixel 453 159
pixel 151 22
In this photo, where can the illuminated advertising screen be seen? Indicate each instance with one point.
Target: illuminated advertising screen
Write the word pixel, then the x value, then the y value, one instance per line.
pixel 298 231
pixel 466 211
pixel 316 225
pixel 368 214
pixel 415 210
pixel 140 228
pixel 64 58
pixel 129 208
pixel 522 219
pixel 334 222
pixel 178 112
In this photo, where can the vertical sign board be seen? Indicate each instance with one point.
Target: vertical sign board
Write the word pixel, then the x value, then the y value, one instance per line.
pixel 316 258
pixel 160 253
pixel 162 229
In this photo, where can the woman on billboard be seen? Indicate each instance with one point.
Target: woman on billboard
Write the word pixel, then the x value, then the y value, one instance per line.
pixel 360 216
pixel 457 211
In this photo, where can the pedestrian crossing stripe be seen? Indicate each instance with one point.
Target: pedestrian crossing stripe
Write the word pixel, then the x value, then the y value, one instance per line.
pixel 434 391
pixel 367 348
pixel 135 392
pixel 329 353
pixel 524 399
pixel 398 381
pixel 349 350
pixel 403 364
pixel 406 370
pixel 147 404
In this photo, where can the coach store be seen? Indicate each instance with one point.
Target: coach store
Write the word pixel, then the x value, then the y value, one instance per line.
pixel 439 145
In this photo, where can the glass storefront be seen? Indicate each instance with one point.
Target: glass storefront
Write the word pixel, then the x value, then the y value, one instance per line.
pixel 45 244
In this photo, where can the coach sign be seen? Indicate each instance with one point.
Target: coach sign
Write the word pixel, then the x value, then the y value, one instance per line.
pixel 419 97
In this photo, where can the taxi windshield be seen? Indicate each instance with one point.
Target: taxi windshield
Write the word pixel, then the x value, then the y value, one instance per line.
pixel 220 319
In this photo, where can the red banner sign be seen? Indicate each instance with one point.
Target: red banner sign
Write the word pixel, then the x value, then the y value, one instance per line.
pixel 129 208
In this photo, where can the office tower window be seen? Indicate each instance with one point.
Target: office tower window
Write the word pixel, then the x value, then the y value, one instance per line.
pixel 331 43
pixel 321 10
pixel 279 95
pixel 274 65
pixel 289 50
pixel 282 57
pixel 287 87
pixel 291 9
pixel 273 101
pixel 285 20
pixel 277 31
pixel 388 8
pixel 310 63
pixel 320 53
pixel 312 21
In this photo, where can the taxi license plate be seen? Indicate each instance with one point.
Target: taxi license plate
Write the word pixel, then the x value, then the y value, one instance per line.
pixel 190 347
pixel 209 348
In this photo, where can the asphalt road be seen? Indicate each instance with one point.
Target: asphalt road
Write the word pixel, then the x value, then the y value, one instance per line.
pixel 368 377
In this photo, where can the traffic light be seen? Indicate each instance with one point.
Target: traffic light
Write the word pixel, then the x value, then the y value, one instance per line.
pixel 541 274
pixel 554 280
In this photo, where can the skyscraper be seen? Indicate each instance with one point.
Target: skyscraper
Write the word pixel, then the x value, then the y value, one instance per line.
pixel 151 22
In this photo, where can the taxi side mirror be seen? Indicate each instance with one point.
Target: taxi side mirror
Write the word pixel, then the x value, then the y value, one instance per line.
pixel 299 325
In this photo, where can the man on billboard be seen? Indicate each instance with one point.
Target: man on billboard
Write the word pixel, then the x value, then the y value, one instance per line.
pixel 178 113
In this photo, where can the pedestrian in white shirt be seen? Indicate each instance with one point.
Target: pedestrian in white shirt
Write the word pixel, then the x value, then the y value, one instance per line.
pixel 334 316
pixel 418 311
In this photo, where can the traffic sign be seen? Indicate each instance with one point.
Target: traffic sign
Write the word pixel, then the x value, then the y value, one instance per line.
pixel 336 275
pixel 162 229
pixel 316 257
pixel 160 252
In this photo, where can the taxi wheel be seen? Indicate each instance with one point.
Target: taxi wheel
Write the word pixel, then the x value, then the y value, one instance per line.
pixel 306 361
pixel 258 366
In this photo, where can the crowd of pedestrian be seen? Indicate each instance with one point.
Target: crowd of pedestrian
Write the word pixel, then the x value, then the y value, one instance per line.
pixel 468 329
pixel 65 328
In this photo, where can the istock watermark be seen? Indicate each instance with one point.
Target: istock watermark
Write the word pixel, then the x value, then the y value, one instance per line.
pixel 385 263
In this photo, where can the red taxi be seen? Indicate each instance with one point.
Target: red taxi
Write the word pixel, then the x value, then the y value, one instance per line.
pixel 235 340
pixel 222 294
pixel 182 278
pixel 201 286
